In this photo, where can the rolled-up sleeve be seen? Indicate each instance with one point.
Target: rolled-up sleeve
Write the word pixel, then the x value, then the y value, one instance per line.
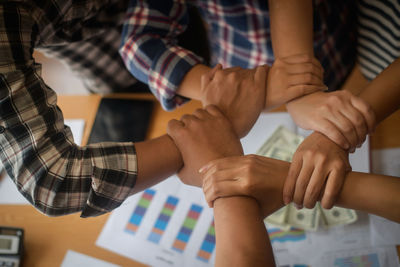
pixel 53 173
pixel 150 51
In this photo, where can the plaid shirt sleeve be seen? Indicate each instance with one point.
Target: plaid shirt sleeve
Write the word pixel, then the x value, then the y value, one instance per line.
pixel 37 149
pixel 150 51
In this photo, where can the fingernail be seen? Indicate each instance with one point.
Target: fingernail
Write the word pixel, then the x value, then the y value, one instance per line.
pixel 204 168
pixel 286 200
pixel 299 207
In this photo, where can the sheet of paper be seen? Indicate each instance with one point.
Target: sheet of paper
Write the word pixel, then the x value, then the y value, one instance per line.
pixel 74 259
pixel 366 256
pixel 77 126
pixel 386 161
pixel 384 232
pixel 9 194
pixel 148 226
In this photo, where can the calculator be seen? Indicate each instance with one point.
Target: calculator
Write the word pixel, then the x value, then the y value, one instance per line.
pixel 11 246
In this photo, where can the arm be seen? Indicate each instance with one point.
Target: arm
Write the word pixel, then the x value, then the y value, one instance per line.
pixel 291 27
pixel 242 239
pixel 37 149
pixel 150 51
pixel 263 178
pixel 383 93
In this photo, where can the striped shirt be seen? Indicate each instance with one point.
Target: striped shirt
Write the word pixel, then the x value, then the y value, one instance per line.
pixel 239 35
pixel 379 35
pixel 36 148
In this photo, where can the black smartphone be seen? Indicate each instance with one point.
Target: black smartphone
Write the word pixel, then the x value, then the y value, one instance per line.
pixel 121 120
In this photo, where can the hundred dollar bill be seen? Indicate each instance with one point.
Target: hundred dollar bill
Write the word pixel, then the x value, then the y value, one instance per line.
pixel 307 219
pixel 278 218
pixel 281 145
pixel 336 216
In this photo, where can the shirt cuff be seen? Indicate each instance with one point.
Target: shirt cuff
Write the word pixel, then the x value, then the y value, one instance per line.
pixel 167 73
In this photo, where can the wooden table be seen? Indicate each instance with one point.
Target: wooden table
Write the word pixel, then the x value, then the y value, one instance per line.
pixel 48 239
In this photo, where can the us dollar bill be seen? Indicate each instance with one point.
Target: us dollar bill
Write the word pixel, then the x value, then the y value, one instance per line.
pixel 278 218
pixel 307 219
pixel 337 216
pixel 281 145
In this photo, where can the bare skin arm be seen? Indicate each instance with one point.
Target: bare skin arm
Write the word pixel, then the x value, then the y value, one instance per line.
pixel 383 93
pixel 157 159
pixel 241 236
pixel 291 27
pixel 263 178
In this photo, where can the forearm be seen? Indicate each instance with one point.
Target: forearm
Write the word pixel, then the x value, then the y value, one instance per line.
pixel 157 159
pixel 241 237
pixel 291 27
pixel 372 193
pixel 191 84
pixel 383 93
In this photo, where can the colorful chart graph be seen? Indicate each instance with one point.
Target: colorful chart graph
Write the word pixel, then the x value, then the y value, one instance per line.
pixel 140 210
pixel 208 245
pixel 279 235
pixel 163 219
pixel 187 228
pixel 370 260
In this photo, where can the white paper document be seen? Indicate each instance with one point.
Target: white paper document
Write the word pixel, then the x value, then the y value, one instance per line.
pixel 171 225
pixel 384 232
pixel 75 259
pixel 386 161
pixel 77 127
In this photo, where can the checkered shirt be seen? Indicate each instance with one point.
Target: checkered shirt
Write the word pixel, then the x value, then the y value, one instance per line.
pixel 239 34
pixel 36 148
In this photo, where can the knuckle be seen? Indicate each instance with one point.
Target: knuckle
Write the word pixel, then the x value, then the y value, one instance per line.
pixel 308 77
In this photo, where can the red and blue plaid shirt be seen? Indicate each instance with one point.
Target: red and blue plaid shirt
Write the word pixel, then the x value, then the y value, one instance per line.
pixel 239 35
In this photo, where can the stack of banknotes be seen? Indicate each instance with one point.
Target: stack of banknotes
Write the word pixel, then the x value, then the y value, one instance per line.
pixel 282 145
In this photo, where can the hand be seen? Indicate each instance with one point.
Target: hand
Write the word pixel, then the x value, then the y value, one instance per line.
pixel 239 93
pixel 206 135
pixel 318 169
pixel 251 175
pixel 341 116
pixel 292 77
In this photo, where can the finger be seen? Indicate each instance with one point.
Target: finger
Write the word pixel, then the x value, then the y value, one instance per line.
pixel 214 110
pixel 187 119
pixel 332 189
pixel 220 164
pixel 358 121
pixel 208 76
pixel 173 127
pixel 261 75
pixel 315 187
pixel 301 68
pixel 296 91
pixel 290 182
pixel 302 182
pixel 305 78
pixel 329 129
pixel 200 114
pixel 346 127
pixel 366 111
pixel 219 189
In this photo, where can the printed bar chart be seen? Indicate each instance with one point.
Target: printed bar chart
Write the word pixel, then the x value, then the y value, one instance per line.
pixel 163 219
pixel 139 212
pixel 187 228
pixel 370 260
pixel 208 245
pixel 293 234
